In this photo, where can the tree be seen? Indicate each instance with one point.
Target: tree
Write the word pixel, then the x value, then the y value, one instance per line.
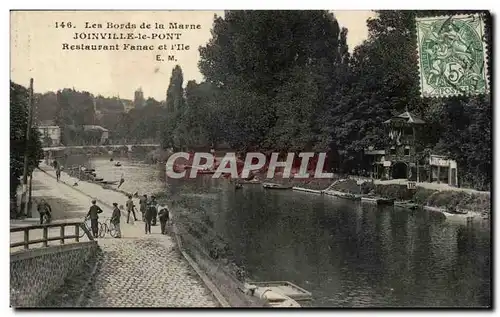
pixel 256 57
pixel 18 127
pixel 175 92
pixel 46 106
pixel 75 109
pixel 174 125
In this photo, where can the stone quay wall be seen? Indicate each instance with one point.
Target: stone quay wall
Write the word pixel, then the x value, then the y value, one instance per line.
pixel 36 273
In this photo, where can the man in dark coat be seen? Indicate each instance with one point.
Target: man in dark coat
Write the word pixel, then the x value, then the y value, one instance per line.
pixel 163 215
pixel 115 220
pixel 58 172
pixel 149 214
pixel 45 211
pixel 143 205
pixel 153 204
pixel 130 208
pixel 94 218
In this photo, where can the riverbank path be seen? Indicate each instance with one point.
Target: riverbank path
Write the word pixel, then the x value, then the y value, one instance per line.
pixel 137 270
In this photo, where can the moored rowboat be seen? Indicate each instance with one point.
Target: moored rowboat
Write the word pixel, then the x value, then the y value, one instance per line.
pixel 275 186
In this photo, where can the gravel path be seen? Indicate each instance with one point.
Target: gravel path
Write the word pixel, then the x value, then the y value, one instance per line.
pixel 147 272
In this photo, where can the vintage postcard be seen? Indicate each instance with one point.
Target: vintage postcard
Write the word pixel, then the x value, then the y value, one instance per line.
pixel 264 158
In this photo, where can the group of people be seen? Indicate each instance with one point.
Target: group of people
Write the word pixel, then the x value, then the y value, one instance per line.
pixel 150 213
pixel 148 208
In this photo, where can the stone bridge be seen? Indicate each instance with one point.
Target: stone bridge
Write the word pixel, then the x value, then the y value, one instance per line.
pixel 56 151
pixel 113 146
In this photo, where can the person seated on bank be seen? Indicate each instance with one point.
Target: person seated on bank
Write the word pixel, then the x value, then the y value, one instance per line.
pixel 115 220
pixel 93 214
pixel 45 211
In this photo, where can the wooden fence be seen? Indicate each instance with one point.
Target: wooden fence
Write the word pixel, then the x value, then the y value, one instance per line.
pixel 62 237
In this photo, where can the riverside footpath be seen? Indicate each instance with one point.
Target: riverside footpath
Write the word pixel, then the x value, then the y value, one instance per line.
pixel 137 270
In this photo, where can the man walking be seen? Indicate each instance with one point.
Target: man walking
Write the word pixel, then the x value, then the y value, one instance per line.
pixel 143 204
pixel 148 217
pixel 153 204
pixel 130 208
pixel 93 214
pixel 122 180
pixel 58 172
pixel 115 220
pixel 163 215
pixel 45 211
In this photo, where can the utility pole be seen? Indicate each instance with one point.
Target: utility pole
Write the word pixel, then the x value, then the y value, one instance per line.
pixel 24 203
pixel 29 192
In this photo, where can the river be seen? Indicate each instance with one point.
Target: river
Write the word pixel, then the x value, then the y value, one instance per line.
pixel 346 253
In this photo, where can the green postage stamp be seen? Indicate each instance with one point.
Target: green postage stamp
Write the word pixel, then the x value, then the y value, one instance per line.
pixel 452 55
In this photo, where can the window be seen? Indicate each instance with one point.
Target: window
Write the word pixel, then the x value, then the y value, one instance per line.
pixel 393 150
pixel 407 151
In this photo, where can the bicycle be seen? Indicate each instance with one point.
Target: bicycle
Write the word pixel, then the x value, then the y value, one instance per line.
pixel 83 232
pixel 47 219
pixel 107 227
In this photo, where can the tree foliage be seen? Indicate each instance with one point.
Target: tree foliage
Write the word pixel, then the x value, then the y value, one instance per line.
pixel 18 127
pixel 275 70
pixel 285 81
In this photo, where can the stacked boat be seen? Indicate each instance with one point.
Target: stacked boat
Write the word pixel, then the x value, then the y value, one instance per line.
pixel 87 174
pixel 278 294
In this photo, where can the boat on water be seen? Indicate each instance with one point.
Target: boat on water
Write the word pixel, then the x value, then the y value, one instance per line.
pixel 385 201
pixel 206 171
pixel 199 170
pixel 348 196
pixel 109 182
pixel 238 186
pixel 275 186
pixel 378 200
pixel 456 211
pixel 117 164
pixel 252 181
pixel 407 205
pixel 278 293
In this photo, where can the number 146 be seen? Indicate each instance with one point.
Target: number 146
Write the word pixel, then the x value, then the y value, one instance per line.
pixel 63 25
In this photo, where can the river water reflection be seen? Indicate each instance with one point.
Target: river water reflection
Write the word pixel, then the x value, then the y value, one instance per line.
pixel 347 254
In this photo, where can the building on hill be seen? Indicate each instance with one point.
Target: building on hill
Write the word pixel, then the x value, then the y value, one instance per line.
pixel 402 160
pixel 50 133
pixel 104 132
pixel 139 100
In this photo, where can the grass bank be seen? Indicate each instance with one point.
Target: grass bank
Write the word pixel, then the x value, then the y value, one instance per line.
pixel 426 197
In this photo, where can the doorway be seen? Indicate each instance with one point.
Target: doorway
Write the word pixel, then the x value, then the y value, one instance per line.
pixel 400 171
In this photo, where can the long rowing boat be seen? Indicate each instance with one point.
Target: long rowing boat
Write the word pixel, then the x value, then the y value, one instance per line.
pixel 275 186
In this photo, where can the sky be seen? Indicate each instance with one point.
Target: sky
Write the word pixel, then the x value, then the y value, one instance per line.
pixel 37 49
